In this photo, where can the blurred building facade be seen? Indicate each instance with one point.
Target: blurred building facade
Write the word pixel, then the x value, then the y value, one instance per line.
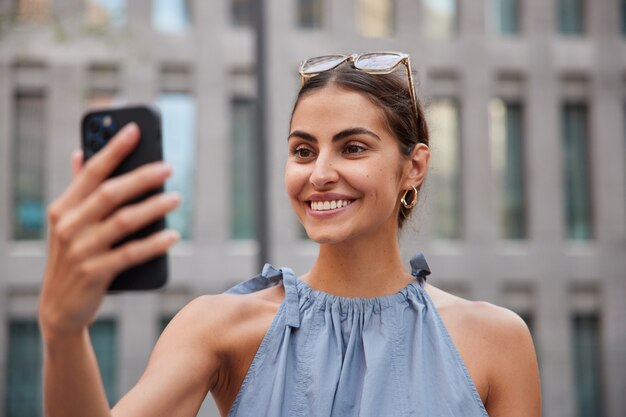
pixel 525 204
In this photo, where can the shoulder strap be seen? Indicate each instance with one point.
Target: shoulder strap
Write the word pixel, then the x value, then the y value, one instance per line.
pixel 268 277
pixel 419 267
pixel 292 298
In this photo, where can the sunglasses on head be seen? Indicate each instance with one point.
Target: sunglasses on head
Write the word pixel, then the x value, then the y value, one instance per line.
pixel 370 62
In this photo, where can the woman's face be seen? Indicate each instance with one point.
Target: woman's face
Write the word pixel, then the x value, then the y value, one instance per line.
pixel 345 174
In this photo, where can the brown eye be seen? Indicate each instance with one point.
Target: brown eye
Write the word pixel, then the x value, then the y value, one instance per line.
pixel 354 148
pixel 302 152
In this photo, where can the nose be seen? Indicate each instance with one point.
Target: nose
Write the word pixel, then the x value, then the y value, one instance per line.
pixel 324 172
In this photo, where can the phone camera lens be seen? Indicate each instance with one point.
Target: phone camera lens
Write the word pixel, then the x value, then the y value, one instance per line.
pixel 107 133
pixel 93 125
pixel 93 144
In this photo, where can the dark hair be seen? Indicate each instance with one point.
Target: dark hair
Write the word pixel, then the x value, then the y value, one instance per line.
pixel 390 93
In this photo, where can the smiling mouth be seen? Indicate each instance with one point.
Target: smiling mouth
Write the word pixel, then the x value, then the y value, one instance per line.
pixel 329 204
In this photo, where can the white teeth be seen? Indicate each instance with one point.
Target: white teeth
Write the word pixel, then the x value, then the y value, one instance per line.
pixel 329 205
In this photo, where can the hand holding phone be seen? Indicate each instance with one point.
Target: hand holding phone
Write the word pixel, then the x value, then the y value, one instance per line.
pixel 97 129
pixel 88 225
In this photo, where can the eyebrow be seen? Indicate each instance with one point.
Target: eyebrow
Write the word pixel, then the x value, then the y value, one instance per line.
pixel 337 136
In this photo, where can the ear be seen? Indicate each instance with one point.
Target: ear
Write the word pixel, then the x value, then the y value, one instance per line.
pixel 416 166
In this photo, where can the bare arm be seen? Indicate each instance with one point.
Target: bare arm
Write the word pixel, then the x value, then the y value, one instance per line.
pixel 514 387
pixel 84 224
pixel 183 366
pixel 72 380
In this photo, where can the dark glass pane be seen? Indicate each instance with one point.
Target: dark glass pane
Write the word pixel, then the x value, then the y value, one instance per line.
pixel 623 16
pixel 586 344
pixel 506 16
pixel 103 339
pixel 529 320
pixel 178 111
pixel 577 173
pixel 571 17
pixel 24 390
pixel 508 165
pixel 164 322
pixel 310 13
pixel 242 12
pixel 28 166
pixel 24 376
pixel 244 168
pixel 443 118
pixel 514 226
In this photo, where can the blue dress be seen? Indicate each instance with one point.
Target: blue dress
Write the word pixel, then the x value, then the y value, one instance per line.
pixel 325 355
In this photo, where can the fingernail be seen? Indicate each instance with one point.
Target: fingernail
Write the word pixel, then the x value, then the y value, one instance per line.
pixel 130 129
pixel 163 168
pixel 171 235
pixel 171 197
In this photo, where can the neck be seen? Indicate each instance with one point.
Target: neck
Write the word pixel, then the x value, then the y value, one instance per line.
pixel 367 267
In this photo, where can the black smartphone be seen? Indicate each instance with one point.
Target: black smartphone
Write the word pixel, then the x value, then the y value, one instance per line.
pixel 97 128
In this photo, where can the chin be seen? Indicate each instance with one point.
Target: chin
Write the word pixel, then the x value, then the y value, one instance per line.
pixel 330 236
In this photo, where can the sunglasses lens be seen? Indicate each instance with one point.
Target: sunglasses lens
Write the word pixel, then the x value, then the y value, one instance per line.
pixel 321 64
pixel 377 61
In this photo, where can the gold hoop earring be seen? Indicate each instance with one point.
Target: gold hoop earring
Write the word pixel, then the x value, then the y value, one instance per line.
pixel 413 201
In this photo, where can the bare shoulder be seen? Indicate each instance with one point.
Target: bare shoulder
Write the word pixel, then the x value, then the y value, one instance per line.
pixel 228 330
pixel 207 346
pixel 498 351
pixel 490 320
pixel 217 317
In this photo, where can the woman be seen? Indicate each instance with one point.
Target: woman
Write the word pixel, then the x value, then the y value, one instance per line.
pixel 355 336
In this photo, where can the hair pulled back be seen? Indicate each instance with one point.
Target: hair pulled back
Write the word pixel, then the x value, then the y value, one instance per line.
pixel 390 93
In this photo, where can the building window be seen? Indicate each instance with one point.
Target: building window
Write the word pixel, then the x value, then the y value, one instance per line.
pixel 571 17
pixel 244 166
pixel 507 160
pixel 178 113
pixel 505 16
pixel 445 173
pixel 311 14
pixel 164 322
pixel 29 166
pixel 24 383
pixel 103 15
pixel 375 18
pixel 623 16
pixel 171 15
pixel 102 99
pixel 242 12
pixel 439 18
pixel 586 358
pixel 24 390
pixel 35 11
pixel 103 85
pixel 103 334
pixel 577 175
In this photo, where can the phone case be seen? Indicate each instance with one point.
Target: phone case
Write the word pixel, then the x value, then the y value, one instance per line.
pixel 97 128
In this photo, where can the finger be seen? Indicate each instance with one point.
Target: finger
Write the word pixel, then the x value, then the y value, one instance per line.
pixel 77 162
pixel 112 194
pixel 101 165
pixel 124 222
pixel 131 254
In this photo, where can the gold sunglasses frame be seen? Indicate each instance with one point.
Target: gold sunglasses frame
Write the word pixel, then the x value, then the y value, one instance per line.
pixel 354 58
